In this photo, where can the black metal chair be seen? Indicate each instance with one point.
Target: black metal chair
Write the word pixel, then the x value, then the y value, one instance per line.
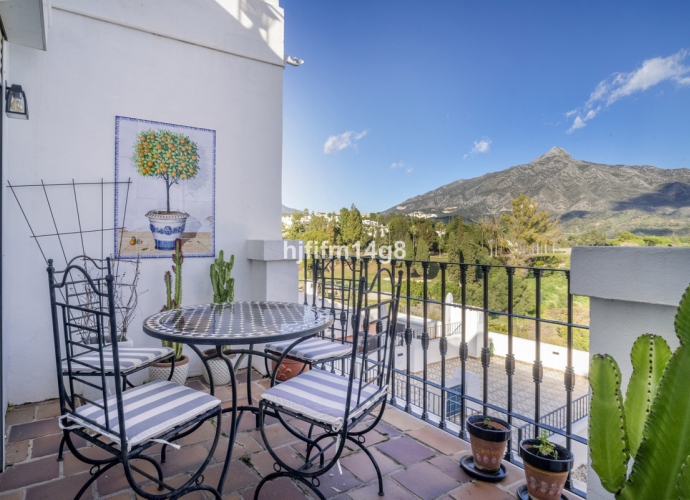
pixel 125 424
pixel 337 402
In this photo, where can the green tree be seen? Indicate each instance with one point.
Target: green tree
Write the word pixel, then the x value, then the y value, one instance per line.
pixel 351 226
pixel 593 238
pixel 526 226
pixel 409 247
pixel 399 227
pixel 422 254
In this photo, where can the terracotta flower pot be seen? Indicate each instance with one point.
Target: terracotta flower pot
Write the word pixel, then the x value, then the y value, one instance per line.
pixel 289 368
pixel 218 367
pixel 545 476
pixel 488 445
pixel 161 371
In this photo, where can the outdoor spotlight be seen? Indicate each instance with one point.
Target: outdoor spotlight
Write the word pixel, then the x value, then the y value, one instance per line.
pixel 15 102
pixel 293 61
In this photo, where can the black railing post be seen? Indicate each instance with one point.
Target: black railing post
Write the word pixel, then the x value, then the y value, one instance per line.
pixel 314 278
pixel 486 351
pixel 443 345
pixel 537 369
pixel 569 377
pixel 306 277
pixel 510 358
pixel 394 339
pixel 464 351
pixel 408 339
pixel 425 341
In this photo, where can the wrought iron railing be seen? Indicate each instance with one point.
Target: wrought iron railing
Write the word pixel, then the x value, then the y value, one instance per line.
pixel 434 401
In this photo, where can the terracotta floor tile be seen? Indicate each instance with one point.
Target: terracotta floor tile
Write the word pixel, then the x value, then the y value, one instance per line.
pixel 114 480
pixel 481 491
pixel 425 480
pixel 451 467
pixel 28 473
pixel 204 433
pixel 20 414
pixel 62 489
pixel 401 420
pixel 263 461
pixel 174 482
pixel 392 490
pixel 16 452
pixel 48 410
pixel 34 429
pixel 49 445
pixel 334 483
pixel 360 465
pixel 388 430
pixel 187 459
pixel 240 476
pixel 15 495
pixel 72 465
pixel 439 440
pixel 121 496
pixel 279 489
pixel 405 450
pixel 276 435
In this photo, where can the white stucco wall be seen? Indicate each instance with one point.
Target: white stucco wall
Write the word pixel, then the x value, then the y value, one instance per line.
pixel 209 64
pixel 633 291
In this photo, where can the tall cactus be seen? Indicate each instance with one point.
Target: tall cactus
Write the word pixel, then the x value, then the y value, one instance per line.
pixel 173 302
pixel 651 425
pixel 223 284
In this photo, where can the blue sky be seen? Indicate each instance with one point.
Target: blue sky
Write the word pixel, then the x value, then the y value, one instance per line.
pixel 396 98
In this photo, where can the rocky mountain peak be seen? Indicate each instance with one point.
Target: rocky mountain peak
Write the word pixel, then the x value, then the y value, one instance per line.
pixel 554 152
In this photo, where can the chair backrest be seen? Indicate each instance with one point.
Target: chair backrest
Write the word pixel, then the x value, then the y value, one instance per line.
pixel 86 325
pixel 372 339
pixel 335 285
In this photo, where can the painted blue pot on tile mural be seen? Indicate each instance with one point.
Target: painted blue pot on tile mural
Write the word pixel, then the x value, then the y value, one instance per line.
pixel 166 227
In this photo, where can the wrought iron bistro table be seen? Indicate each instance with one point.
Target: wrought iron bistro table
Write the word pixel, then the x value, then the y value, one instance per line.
pixel 237 324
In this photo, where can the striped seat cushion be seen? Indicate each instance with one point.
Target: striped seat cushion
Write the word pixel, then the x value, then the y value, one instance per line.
pixel 150 410
pixel 321 395
pixel 312 349
pixel 130 358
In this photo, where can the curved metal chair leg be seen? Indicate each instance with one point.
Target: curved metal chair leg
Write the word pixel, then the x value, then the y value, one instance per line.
pixel 95 476
pixel 159 471
pixel 61 450
pixel 373 461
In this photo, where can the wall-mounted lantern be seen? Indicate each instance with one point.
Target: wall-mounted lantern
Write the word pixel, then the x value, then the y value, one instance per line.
pixel 15 102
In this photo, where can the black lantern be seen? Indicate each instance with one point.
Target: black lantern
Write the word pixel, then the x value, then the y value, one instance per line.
pixel 15 103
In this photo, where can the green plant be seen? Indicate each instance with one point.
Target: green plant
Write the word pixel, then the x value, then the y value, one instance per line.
pixel 546 448
pixel 166 155
pixel 174 301
pixel 223 284
pixel 651 424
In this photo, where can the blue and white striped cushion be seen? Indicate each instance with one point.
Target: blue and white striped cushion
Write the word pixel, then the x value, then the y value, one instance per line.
pixel 150 410
pixel 130 357
pixel 321 395
pixel 312 349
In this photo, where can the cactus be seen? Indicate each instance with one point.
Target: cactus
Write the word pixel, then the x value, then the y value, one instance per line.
pixel 173 302
pixel 651 425
pixel 223 284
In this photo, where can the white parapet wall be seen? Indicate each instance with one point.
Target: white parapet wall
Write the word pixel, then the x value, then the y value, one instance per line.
pixel 632 291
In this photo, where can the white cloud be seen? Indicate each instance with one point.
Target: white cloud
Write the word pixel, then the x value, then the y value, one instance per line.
pixel 481 146
pixel 397 165
pixel 652 72
pixel 409 170
pixel 345 140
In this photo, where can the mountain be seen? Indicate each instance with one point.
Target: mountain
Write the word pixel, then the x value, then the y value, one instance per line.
pixel 288 210
pixel 583 194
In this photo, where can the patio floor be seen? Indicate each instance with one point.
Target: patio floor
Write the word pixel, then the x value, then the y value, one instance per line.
pixel 417 460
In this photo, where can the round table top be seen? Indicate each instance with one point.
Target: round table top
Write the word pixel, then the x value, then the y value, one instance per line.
pixel 238 323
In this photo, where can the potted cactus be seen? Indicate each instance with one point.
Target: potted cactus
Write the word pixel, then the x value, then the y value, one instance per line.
pixel 488 438
pixel 174 158
pixel 223 291
pixel 161 371
pixel 650 425
pixel 547 466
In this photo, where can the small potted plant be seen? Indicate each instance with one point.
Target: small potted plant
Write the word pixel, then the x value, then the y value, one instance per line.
pixel 223 291
pixel 161 371
pixel 546 467
pixel 488 438
pixel 174 158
